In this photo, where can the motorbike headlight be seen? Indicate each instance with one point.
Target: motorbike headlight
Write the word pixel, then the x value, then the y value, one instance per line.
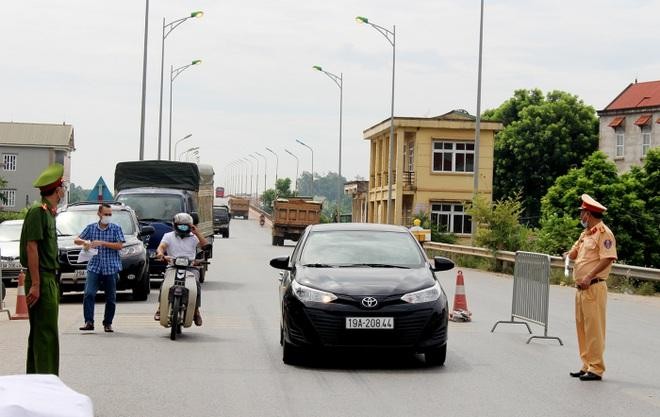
pixel 131 250
pixel 423 296
pixel 305 294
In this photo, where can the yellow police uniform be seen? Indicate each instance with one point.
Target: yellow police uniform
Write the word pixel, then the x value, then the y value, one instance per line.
pixel 39 226
pixel 594 244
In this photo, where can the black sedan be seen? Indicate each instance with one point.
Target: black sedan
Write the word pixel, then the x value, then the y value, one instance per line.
pixel 352 285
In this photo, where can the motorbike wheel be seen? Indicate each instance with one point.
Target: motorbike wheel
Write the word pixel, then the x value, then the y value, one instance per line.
pixel 174 318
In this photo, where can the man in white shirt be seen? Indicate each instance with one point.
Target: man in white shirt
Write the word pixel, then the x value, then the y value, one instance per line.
pixel 183 241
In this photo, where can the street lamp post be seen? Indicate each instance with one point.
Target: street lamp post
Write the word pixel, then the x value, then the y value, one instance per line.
pixel 167 29
pixel 173 74
pixel 265 168
pixel 256 180
pixel 477 133
pixel 277 162
pixel 194 148
pixel 339 80
pixel 390 35
pixel 144 80
pixel 180 140
pixel 312 151
pixel 251 173
pixel 297 163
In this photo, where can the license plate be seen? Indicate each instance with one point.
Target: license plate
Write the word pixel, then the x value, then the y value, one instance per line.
pixel 369 322
pixel 80 273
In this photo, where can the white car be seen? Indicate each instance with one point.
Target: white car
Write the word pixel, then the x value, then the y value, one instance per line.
pixel 10 237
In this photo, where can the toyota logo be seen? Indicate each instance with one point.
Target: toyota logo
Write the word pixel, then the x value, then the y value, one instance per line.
pixel 369 302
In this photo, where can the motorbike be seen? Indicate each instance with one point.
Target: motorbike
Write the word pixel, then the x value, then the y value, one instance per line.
pixel 179 294
pixel 262 220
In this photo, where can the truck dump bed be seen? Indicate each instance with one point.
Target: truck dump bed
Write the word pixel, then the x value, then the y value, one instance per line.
pixel 291 217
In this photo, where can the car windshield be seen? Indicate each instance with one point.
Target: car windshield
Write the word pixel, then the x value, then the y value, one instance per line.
pixel 72 223
pixel 219 210
pixel 10 232
pixel 153 206
pixel 361 248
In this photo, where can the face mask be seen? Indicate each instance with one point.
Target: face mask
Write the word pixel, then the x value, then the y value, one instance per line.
pixel 182 230
pixel 584 223
pixel 105 219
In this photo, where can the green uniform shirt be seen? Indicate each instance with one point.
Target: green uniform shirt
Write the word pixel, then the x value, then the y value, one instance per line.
pixel 39 225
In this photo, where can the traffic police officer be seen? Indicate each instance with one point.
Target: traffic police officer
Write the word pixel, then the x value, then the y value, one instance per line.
pixel 38 253
pixel 593 253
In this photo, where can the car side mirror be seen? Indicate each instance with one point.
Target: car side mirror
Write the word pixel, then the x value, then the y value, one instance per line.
pixel 280 263
pixel 147 231
pixel 442 264
pixel 195 217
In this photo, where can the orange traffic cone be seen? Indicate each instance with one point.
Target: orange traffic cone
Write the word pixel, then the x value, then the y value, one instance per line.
pixel 21 304
pixel 460 310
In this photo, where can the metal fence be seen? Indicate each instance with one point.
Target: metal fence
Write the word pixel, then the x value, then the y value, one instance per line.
pixel 628 271
pixel 531 293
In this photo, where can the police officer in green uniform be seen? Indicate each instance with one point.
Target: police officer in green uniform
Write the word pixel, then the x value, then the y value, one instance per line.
pixel 39 255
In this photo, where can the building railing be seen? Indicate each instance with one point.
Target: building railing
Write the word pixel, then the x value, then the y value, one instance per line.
pixel 628 271
pixel 408 180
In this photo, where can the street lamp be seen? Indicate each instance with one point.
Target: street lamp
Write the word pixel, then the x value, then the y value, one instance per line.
pixel 177 143
pixel 251 174
pixel 265 168
pixel 173 74
pixel 390 35
pixel 312 151
pixel 167 29
pixel 187 151
pixel 277 162
pixel 256 180
pixel 297 163
pixel 144 80
pixel 339 80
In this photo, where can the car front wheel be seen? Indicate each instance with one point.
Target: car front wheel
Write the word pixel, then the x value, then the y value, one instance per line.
pixel 142 287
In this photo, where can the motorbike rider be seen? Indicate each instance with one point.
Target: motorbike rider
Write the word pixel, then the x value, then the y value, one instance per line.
pixel 262 219
pixel 182 241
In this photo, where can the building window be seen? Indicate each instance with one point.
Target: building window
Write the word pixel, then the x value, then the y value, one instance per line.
pixel 451 218
pixel 9 161
pixel 619 150
pixel 8 198
pixel 646 141
pixel 451 156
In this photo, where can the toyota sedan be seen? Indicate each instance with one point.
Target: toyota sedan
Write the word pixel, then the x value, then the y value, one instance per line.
pixel 368 286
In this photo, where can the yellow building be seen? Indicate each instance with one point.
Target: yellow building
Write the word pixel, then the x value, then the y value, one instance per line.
pixel 433 169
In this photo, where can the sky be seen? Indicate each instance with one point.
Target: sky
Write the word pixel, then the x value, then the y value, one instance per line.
pixel 80 62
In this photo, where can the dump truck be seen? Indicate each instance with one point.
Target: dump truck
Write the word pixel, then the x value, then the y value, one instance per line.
pixel 157 190
pixel 291 216
pixel 239 207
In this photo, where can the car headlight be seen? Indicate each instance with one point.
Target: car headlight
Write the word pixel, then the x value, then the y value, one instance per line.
pixel 305 294
pixel 131 250
pixel 423 296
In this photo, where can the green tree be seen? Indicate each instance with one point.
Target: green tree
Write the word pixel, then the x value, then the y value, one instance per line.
pixel 631 199
pixel 282 189
pixel 498 224
pixel 543 137
pixel 77 193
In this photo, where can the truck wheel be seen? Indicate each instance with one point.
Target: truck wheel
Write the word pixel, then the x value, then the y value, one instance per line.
pixel 226 235
pixel 280 241
pixel 142 287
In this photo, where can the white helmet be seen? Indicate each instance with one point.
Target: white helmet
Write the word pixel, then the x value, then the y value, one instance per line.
pixel 182 218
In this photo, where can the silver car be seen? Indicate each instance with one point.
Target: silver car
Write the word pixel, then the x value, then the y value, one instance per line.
pixel 10 238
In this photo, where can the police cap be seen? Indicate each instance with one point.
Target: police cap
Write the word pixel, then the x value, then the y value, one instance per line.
pixel 50 178
pixel 589 204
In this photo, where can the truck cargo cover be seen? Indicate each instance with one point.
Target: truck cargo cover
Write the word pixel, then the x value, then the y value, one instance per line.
pixel 162 174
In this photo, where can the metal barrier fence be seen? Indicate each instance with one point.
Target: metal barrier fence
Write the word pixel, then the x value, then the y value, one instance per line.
pixel 531 293
pixel 628 271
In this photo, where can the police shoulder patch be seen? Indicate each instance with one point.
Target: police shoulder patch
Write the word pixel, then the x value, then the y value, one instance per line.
pixel 607 243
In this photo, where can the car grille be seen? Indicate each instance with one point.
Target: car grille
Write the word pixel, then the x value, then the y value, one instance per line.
pixel 409 327
pixel 72 257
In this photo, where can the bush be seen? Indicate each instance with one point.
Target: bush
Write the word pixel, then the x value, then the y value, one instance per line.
pixel 12 215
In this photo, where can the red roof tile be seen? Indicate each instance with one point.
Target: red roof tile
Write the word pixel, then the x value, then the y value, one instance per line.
pixel 646 94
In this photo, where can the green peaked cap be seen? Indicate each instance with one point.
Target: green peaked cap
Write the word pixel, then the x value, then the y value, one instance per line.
pixel 49 176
